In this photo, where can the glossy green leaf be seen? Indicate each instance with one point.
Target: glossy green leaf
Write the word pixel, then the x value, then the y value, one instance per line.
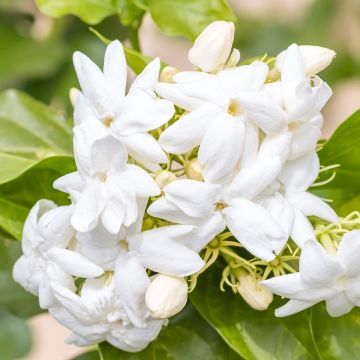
pixel 343 148
pixel 187 336
pixel 15 337
pixel 255 335
pixel 12 166
pixel 90 11
pixel 187 17
pixel 13 298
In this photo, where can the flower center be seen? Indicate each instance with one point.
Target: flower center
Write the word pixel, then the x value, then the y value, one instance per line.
pixel 235 109
pixel 220 206
pixel 294 126
pixel 102 176
pixel 108 121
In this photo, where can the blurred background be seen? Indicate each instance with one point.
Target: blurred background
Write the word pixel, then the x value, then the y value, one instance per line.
pixel 36 52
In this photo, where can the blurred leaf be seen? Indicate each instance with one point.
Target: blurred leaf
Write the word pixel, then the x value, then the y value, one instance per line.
pixel 187 336
pixel 129 13
pixel 255 335
pixel 12 166
pixel 25 58
pixel 13 298
pixel 186 17
pixel 91 355
pixel 342 148
pixel 15 337
pixel 90 11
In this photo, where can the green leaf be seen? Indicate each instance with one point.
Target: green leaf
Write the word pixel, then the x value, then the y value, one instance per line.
pixel 31 129
pixel 91 355
pixel 186 17
pixel 20 194
pixel 89 11
pixel 13 298
pixel 342 148
pixel 255 335
pixel 187 336
pixel 129 14
pixel 15 337
pixel 12 166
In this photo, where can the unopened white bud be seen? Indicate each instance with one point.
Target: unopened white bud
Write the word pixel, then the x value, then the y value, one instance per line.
pixel 164 178
pixel 166 296
pixel 316 58
pixel 256 295
pixel 167 74
pixel 73 95
pixel 213 46
pixel 193 170
pixel 234 58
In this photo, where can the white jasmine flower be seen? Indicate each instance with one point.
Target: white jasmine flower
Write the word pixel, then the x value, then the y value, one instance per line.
pixel 218 122
pixel 333 278
pixel 47 233
pixel 97 315
pixel 166 296
pixel 104 187
pixel 295 109
pixel 126 117
pixel 289 202
pixel 212 207
pixel 315 58
pixel 213 46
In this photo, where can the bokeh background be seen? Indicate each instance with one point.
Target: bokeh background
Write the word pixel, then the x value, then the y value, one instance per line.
pixel 36 52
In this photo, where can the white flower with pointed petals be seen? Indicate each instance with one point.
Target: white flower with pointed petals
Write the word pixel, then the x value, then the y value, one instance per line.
pixel 212 207
pixel 104 187
pixel 97 315
pixel 333 278
pixel 47 233
pixel 289 202
pixel 217 120
pixel 292 104
pixel 103 104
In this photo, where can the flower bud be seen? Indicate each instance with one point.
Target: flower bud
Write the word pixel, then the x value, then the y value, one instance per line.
pixel 316 58
pixel 167 74
pixel 213 46
pixel 164 178
pixel 234 58
pixel 193 170
pixel 73 95
pixel 166 296
pixel 256 295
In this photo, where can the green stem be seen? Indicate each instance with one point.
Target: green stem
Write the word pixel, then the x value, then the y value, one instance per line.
pixel 312 335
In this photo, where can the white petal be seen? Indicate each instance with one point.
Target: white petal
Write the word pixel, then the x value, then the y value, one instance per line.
pixel 92 82
pixel 302 229
pixel 300 174
pixel 194 198
pixel 87 209
pixel 291 75
pixel 188 131
pixel 202 86
pixel 349 252
pixel 293 307
pixel 74 263
pixel 167 210
pixel 142 112
pixel 254 227
pixel 243 78
pixel 304 140
pixel 278 146
pixel 114 212
pixel 148 77
pixel 139 180
pixel 144 146
pixel 69 183
pixel 221 147
pixel 338 305
pixel 311 205
pixel 131 282
pixel 251 145
pixel 108 153
pixel 269 116
pixel 252 180
pixel 317 267
pixel 115 69
pixel 165 255
pixel 31 238
pixel 172 93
